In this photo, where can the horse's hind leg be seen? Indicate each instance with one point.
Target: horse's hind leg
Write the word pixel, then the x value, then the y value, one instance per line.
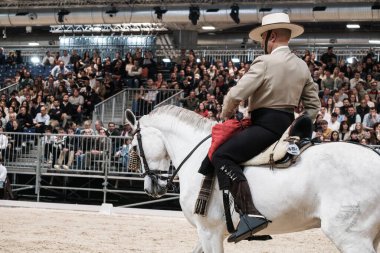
pixel 349 230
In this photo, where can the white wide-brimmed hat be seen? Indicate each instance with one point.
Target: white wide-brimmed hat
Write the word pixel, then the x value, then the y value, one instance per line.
pixel 275 21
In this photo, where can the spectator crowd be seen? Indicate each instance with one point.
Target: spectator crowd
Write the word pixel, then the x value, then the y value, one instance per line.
pixel 63 101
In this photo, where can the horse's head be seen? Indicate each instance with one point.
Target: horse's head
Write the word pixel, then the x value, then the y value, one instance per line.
pixel 148 143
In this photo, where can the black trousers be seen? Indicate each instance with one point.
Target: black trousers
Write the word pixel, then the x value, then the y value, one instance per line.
pixel 267 127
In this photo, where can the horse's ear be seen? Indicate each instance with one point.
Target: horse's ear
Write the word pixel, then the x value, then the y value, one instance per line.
pixel 130 119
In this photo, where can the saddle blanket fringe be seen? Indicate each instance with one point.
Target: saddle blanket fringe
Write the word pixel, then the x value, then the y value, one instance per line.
pixel 204 194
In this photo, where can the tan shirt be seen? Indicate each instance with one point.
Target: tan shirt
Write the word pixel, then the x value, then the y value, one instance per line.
pixel 277 80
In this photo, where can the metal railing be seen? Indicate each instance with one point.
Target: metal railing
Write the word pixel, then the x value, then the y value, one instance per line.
pixel 83 155
pixel 142 101
pixel 8 89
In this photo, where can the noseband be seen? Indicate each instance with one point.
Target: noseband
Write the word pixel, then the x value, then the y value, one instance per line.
pixel 156 174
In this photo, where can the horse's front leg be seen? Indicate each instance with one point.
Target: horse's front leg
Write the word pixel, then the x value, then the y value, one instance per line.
pixel 198 247
pixel 211 238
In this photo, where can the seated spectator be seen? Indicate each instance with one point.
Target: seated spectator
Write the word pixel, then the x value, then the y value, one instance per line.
pixel 334 136
pixel 48 142
pixel 122 154
pixel 326 131
pixel 77 100
pixel 191 102
pixel 333 123
pixel 87 126
pixel 375 134
pixel 352 117
pixel 90 100
pixel 201 110
pixel 84 148
pixel 69 148
pixel 344 131
pixel 98 127
pixel 41 120
pixel 99 148
pixel 55 114
pixel 370 119
pixel 354 136
pixel 5 146
pixel 67 110
pixel 59 69
pixel 362 109
pixel 317 135
pixel 48 59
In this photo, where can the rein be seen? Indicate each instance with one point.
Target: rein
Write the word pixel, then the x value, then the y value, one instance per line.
pixel 155 173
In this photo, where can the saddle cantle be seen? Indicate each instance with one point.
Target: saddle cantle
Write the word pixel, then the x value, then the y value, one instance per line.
pixel 292 143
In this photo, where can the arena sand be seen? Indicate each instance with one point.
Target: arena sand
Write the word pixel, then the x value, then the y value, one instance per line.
pixel 50 231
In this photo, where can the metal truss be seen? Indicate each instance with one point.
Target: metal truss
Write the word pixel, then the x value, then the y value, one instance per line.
pixel 135 27
pixel 124 3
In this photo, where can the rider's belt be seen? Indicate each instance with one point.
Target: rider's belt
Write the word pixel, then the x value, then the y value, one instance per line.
pixel 260 111
pixel 288 110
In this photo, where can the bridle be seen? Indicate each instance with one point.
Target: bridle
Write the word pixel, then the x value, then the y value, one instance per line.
pixel 156 174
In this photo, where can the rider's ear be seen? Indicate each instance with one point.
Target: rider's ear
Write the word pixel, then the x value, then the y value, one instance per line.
pixel 130 118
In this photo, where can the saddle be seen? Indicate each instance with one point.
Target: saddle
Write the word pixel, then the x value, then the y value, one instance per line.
pixel 285 151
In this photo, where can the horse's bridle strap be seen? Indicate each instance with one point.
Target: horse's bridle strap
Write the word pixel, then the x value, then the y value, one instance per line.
pixel 170 181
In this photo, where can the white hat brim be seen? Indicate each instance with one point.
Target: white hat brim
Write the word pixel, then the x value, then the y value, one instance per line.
pixel 256 33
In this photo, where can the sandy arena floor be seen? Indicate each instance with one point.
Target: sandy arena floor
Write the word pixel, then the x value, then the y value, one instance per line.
pixel 44 230
pixel 51 231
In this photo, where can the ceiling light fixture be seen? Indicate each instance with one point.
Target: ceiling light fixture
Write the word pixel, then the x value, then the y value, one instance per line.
pixel 234 14
pixel 194 14
pixel 112 11
pixel 208 27
pixel 374 41
pixel 159 11
pixel 353 26
pixel 61 14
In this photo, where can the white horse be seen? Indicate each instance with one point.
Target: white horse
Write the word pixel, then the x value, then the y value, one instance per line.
pixel 334 186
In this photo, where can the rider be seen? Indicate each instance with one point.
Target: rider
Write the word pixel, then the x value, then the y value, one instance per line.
pixel 274 85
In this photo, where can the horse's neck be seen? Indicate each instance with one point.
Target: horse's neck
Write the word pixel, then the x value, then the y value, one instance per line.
pixel 180 146
pixel 180 140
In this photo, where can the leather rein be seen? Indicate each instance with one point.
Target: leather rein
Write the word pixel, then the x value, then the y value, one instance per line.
pixel 154 174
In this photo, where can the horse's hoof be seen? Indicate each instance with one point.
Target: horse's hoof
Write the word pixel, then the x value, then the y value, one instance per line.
pixel 247 226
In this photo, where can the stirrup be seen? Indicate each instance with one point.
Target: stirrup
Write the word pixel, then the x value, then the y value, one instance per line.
pixel 248 225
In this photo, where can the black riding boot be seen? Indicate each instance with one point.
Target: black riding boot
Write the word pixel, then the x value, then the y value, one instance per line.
pixel 251 220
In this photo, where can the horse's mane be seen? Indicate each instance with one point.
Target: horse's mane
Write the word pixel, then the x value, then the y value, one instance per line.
pixel 174 115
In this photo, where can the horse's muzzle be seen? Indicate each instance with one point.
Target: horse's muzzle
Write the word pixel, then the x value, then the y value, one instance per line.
pixel 154 186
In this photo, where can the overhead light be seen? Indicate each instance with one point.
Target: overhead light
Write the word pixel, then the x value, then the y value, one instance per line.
pixel 61 14
pixel 265 9
pixel 159 11
pixel 319 8
pixel 353 26
pixel 374 41
pixel 33 44
pixel 235 60
pixel 112 11
pixel 166 60
pixel 35 59
pixel 208 27
pixel 234 14
pixel 194 14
